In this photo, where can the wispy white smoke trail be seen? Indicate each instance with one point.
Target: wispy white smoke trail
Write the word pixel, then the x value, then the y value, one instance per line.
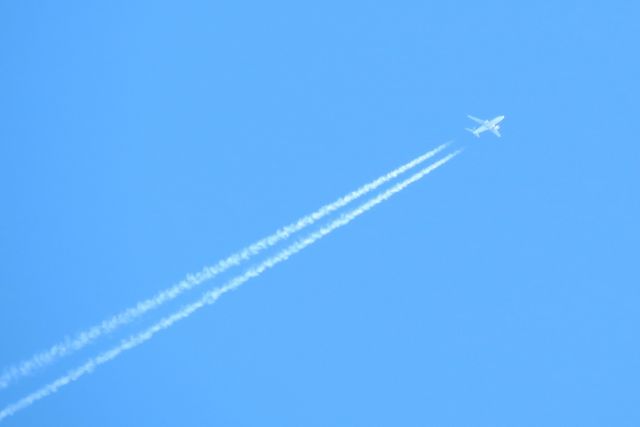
pixel 42 359
pixel 211 296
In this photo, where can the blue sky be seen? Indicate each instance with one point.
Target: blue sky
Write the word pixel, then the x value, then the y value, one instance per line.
pixel 141 141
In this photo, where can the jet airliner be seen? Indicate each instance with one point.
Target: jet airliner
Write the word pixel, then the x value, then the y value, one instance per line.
pixel 493 125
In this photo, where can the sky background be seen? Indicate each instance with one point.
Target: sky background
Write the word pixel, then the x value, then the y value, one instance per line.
pixel 141 141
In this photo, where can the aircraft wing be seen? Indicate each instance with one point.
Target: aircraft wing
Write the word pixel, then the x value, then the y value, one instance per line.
pixel 477 120
pixel 496 132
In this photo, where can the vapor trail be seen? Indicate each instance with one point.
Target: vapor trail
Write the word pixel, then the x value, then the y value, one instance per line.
pixel 82 339
pixel 211 296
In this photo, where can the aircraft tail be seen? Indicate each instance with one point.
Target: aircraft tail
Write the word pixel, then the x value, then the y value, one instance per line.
pixel 473 131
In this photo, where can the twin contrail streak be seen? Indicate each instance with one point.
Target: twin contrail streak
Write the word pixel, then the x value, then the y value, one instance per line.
pixel 82 339
pixel 211 296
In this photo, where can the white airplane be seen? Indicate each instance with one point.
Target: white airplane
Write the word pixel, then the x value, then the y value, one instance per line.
pixel 485 125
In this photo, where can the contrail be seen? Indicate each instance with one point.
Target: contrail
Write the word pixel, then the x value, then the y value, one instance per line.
pixel 211 296
pixel 82 339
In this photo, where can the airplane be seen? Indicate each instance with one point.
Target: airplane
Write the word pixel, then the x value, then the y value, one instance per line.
pixel 485 125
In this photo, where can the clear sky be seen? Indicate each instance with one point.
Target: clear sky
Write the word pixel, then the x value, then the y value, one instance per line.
pixel 141 141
